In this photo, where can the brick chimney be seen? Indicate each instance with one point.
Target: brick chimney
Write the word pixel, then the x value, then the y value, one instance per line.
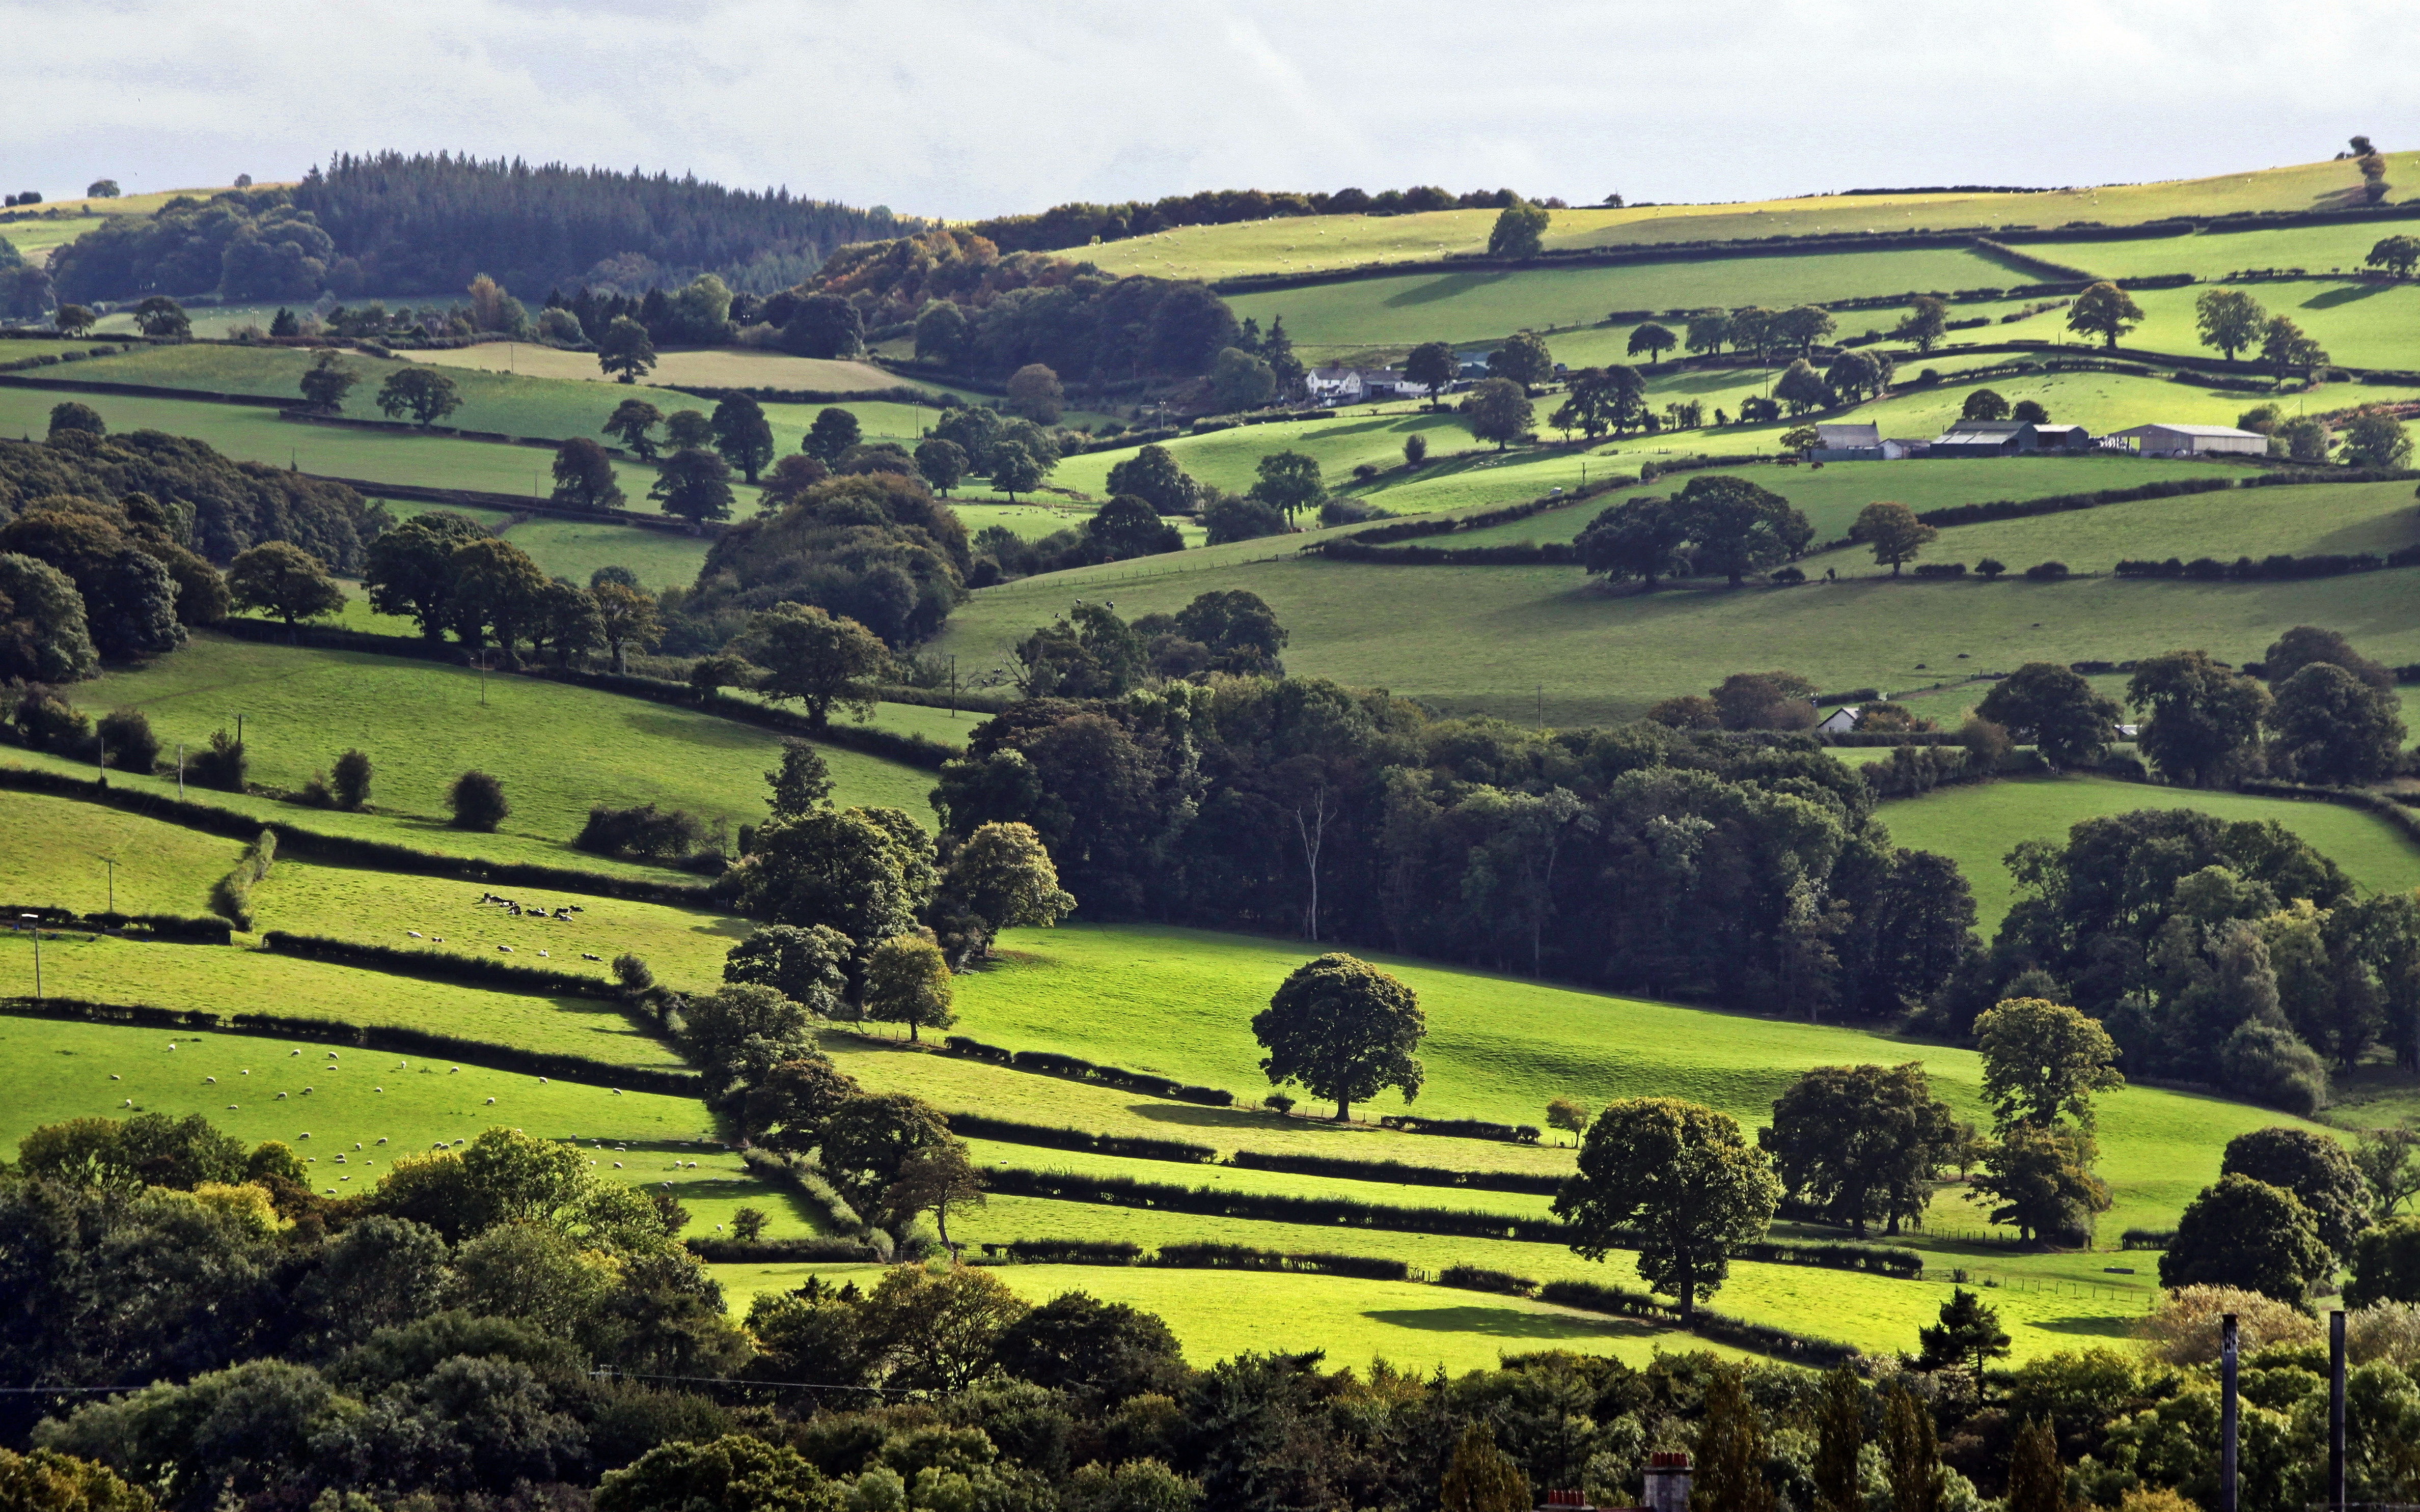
pixel 1668 1481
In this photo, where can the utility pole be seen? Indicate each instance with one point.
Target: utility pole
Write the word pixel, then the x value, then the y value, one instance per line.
pixel 2227 1413
pixel 2336 1409
pixel 36 920
pixel 483 677
pixel 238 732
pixel 110 862
pixel 181 771
pixel 954 685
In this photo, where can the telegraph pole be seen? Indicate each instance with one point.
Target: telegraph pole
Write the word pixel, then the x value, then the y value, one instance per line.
pixel 36 920
pixel 110 862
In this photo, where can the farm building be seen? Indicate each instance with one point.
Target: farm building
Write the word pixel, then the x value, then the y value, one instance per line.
pixel 1356 385
pixel 2188 441
pixel 2009 437
pixel 1857 443
pixel 1840 720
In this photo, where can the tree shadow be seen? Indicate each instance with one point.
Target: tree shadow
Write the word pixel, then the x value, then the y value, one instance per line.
pixel 1508 1322
pixel 2347 294
pixel 2115 1327
pixel 1199 1116
pixel 1436 290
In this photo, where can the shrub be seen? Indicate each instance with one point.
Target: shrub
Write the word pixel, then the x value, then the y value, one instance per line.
pixel 477 800
pixel 2046 571
pixel 127 739
pixel 1990 568
pixel 632 972
pixel 220 764
pixel 353 779
pixel 2183 1329
pixel 1479 1278
pixel 645 831
pixel 1278 1102
pixel 46 721
pixel 1941 569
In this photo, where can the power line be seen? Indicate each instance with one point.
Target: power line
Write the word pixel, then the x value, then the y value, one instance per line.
pixel 734 1380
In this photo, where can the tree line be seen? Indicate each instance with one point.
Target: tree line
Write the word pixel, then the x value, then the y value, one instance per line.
pixel 1077 224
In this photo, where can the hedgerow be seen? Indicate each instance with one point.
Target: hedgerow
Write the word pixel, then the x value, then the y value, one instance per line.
pixel 399 1040
pixel 2282 567
pixel 1131 1147
pixel 1400 1172
pixel 441 965
pixel 231 895
pixel 777 1251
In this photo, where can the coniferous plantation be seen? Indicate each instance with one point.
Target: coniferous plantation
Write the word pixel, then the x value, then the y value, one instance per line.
pixel 1109 845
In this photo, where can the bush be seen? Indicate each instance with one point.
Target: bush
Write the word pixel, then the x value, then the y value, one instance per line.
pixel 126 740
pixel 231 895
pixel 220 764
pixel 2046 571
pixel 1397 1173
pixel 645 832
pixel 1132 1147
pixel 477 800
pixel 2269 1063
pixel 46 721
pixel 353 779
pixel 1073 1251
pixel 1479 1278
pixel 1990 568
pixel 1941 569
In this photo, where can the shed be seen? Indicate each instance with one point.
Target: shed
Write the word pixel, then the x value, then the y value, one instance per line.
pixel 1847 443
pixel 1979 438
pixel 2188 441
pixel 1840 720
pixel 2048 437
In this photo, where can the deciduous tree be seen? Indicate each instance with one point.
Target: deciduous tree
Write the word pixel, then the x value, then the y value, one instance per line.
pixel 1153 475
pixel 426 394
pixel 817 658
pixel 281 579
pixel 2204 721
pixel 1034 392
pixel 1519 231
pixel 743 435
pixel 1653 339
pixel 1497 410
pixel 1861 1143
pixel 944 464
pixel 2103 310
pixel 1637 538
pixel 1893 532
pixel 1481 1477
pixel 2285 349
pixel 2043 1061
pixel 626 353
pixel 1524 359
pixel 693 484
pixel 1013 470
pixel 2241 1232
pixel 1432 366
pixel 1926 322
pixel 1289 481
pixel 2229 320
pixel 1679 1183
pixel 584 476
pixel 633 422
pixel 1345 1031
pixel 907 982
pixel 2055 708
pixel 2329 726
pixel 1738 527
pixel 327 380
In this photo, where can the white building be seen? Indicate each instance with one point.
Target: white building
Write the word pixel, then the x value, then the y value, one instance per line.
pixel 1360 385
pixel 2188 441
pixel 1840 720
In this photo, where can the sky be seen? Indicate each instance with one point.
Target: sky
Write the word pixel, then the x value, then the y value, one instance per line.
pixel 963 109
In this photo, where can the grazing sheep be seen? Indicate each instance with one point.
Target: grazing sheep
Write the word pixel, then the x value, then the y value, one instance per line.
pixel 545 956
pixel 128 1103
pixel 618 1165
pixel 506 948
pixel 585 956
pixel 415 934
pixel 491 1102
pixel 230 1107
pixel 114 1076
pixel 441 939
pixel 541 1081
pixel 211 1080
pixel 294 1051
pixel 305 1134
pixel 453 1071
pixel 243 1074
pixel 281 1097
pixel 382 1141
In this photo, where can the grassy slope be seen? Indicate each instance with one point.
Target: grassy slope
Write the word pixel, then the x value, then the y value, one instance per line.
pixel 1416 1326
pixel 714 367
pixel 252 433
pixel 223 978
pixel 2366 324
pixel 1488 639
pixel 2214 255
pixel 559 748
pixel 52 1071
pixel 1399 310
pixel 2377 516
pixel 1180 1002
pixel 1346 240
pixel 1978 825
pixel 54 859
pixel 575 548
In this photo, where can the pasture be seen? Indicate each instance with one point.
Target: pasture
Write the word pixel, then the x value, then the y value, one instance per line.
pixel 2211 256
pixel 232 978
pixel 54 1069
pixel 574 548
pixel 1415 1326
pixel 1504 640
pixel 2255 522
pixel 1180 1003
pixel 2361 324
pixel 1300 244
pixel 559 748
pixel 1398 311
pixel 1979 824
pixel 249 433
pixel 712 367
pixel 56 850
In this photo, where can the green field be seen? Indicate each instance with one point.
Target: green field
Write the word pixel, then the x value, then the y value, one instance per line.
pixel 713 368
pixel 249 433
pixel 56 1071
pixel 574 548
pixel 1303 243
pixel 685 946
pixel 228 977
pixel 559 748
pixel 2361 324
pixel 1355 1322
pixel 1979 824
pixel 2255 522
pixel 1398 311
pixel 54 859
pixel 1498 639
pixel 2211 256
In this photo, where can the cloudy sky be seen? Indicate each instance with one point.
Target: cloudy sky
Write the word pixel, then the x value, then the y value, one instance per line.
pixel 958 108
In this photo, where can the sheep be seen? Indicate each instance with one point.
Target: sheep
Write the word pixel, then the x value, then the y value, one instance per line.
pixel 243 1074
pixel 230 1107
pixel 281 1097
pixel 357 1144
pixel 541 1081
pixel 209 1081
pixel 542 955
pixel 585 956
pixel 294 1051
pixel 415 934
pixel 378 1089
pixel 381 1140
pixel 453 1071
pixel 618 1165
pixel 114 1076
pixel 306 1091
pixel 441 939
pixel 506 948
pixel 305 1134
pixel 128 1103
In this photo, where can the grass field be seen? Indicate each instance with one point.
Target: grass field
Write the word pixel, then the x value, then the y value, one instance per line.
pixel 2256 522
pixel 574 548
pixel 1978 825
pixel 232 978
pixel 1497 639
pixel 2214 255
pixel 1402 309
pixel 1416 1326
pixel 713 368
pixel 686 947
pixel 1299 244
pixel 2361 324
pixel 559 748
pixel 252 434
pixel 54 859
pixel 52 1071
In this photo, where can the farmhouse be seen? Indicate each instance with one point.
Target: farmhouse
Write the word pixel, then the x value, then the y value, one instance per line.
pixel 1355 385
pixel 2009 437
pixel 2188 441
pixel 1840 720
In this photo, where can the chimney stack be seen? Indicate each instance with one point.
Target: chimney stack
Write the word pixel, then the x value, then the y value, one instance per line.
pixel 1668 1481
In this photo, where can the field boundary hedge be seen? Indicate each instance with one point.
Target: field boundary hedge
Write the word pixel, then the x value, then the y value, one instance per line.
pixel 776 1251
pixel 1132 1147
pixel 440 965
pixel 372 855
pixel 1400 1173
pixel 1076 1067
pixel 2393 813
pixel 801 1176
pixel 231 895
pixel 522 504
pixel 181 928
pixel 2059 504
pixel 1621 1302
pixel 394 1038
pixel 2279 568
